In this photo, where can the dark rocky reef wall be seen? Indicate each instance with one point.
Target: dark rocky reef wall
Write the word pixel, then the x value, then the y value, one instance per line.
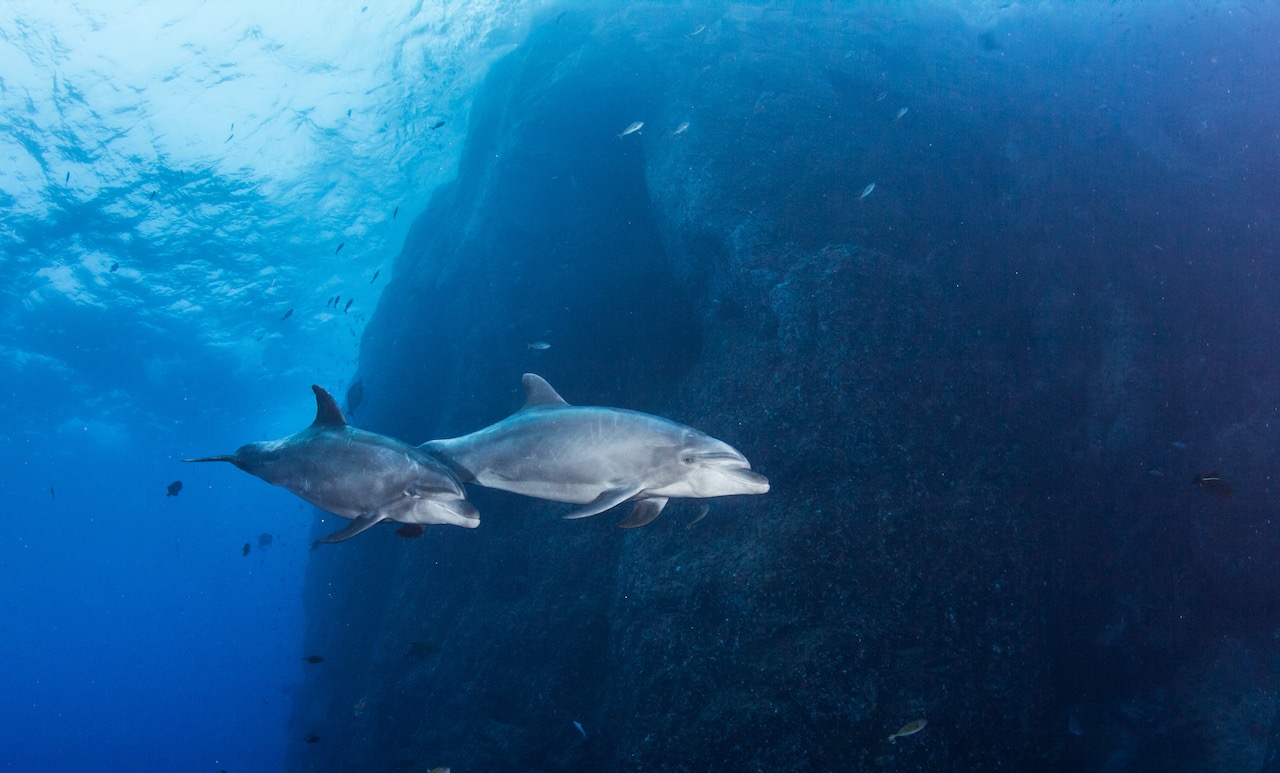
pixel 960 387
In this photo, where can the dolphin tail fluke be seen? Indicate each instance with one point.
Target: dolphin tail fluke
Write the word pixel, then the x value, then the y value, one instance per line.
pixel 356 526
pixel 643 513
pixel 224 458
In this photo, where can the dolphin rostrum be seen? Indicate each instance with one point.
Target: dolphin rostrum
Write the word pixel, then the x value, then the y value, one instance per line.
pixel 597 457
pixel 362 476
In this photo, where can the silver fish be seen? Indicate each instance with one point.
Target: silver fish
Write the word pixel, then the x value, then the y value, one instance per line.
pixel 634 127
pixel 901 113
pixel 541 346
pixel 681 129
pixel 911 728
pixel 867 191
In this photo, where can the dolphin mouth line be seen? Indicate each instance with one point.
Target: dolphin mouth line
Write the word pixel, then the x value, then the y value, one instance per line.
pixel 747 475
pixel 720 456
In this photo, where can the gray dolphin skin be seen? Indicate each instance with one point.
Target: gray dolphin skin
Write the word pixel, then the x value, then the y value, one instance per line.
pixel 597 457
pixel 362 476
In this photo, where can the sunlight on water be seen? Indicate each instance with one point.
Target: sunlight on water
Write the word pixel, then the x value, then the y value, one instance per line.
pixel 187 170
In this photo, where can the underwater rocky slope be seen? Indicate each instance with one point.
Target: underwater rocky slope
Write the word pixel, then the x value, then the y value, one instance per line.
pixel 960 386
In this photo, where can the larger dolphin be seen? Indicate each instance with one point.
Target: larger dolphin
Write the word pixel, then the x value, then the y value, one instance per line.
pixel 362 476
pixel 597 457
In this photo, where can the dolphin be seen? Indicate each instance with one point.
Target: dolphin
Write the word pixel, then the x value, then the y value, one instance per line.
pixel 362 476
pixel 597 457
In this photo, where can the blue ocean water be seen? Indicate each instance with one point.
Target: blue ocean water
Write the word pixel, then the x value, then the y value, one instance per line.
pixel 982 387
pixel 175 179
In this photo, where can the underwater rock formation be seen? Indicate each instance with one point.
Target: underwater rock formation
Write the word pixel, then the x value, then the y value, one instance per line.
pixel 953 385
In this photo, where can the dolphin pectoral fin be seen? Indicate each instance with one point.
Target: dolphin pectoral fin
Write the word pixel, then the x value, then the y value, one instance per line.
pixel 643 513
pixel 411 530
pixel 606 500
pixel 231 459
pixel 356 526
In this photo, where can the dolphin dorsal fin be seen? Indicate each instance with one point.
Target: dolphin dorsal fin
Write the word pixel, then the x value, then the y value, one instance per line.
pixel 327 411
pixel 537 392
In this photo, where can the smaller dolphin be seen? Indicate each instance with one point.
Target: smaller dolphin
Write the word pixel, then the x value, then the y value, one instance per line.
pixel 362 476
pixel 597 457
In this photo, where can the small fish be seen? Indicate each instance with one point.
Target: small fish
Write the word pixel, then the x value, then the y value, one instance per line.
pixel 632 129
pixel 67 179
pixel 867 191
pixel 245 551
pixel 114 267
pixel 541 346
pixel 701 29
pixel 336 300
pixel 358 709
pixel 174 488
pixel 681 129
pixel 437 125
pixel 560 16
pixel 1181 445
pixel 578 725
pixel 51 494
pixel 1214 484
pixel 702 513
pixel 152 197
pixel 395 212
pixel 911 728
pixel 265 539
pixel 229 137
pixel 313 659
pixel 347 308
pixel 901 113
pixel 375 276
pixel 348 112
pixel 340 246
pixel 287 314
pixel 310 738
pixel 447 770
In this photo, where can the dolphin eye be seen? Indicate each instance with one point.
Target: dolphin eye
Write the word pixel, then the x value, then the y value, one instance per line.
pixel 413 493
pixel 687 459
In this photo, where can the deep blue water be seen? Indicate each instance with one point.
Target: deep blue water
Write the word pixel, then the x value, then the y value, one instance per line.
pixel 1077 206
